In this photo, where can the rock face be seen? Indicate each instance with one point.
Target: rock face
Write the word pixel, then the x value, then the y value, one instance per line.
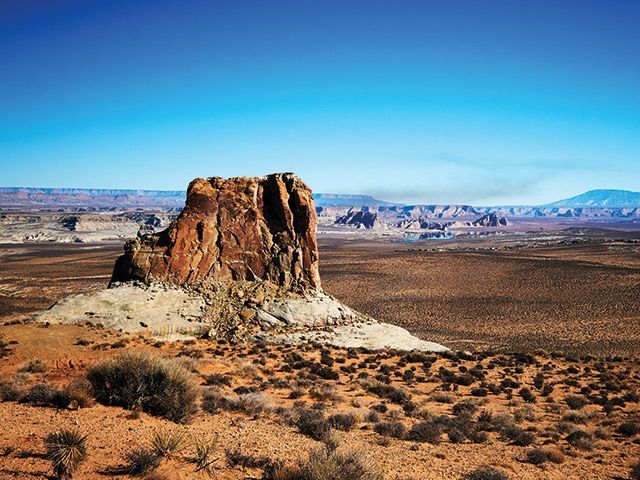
pixel 490 220
pixel 233 229
pixel 359 218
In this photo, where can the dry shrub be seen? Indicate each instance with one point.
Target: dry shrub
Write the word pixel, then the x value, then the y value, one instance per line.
pixel 34 366
pixel 537 456
pixel 10 389
pixel 629 428
pixel 312 423
pixel 41 394
pixel 141 461
pixel 332 464
pixel 139 380
pixel 324 392
pixel 486 473
pixel 441 397
pixel 250 403
pixel 253 403
pixel 390 429
pixel 343 421
pixel 427 431
pixel 554 454
pixel 581 440
pixel 77 394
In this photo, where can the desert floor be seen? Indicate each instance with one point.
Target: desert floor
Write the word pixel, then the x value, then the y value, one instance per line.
pixel 421 417
pixel 575 299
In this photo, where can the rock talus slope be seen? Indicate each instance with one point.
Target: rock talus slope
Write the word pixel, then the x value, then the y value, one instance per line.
pixel 233 229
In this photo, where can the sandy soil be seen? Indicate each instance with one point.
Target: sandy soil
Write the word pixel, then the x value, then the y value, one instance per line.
pixel 113 431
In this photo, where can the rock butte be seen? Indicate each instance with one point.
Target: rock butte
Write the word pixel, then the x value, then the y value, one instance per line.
pixel 246 250
pixel 233 229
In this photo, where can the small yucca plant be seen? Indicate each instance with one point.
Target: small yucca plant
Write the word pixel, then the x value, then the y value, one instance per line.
pixel 66 449
pixel 166 444
pixel 204 451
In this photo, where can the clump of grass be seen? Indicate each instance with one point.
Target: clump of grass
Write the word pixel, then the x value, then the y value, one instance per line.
pixel 166 444
pixel 66 449
pixel 138 380
pixel 204 451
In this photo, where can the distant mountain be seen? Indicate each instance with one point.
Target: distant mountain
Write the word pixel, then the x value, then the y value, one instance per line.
pixel 95 192
pixel 89 198
pixel 345 200
pixel 601 199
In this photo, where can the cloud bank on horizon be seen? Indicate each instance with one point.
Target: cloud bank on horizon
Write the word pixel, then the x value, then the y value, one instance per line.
pixel 495 102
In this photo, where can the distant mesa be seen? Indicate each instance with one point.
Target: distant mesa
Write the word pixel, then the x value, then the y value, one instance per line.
pixel 346 200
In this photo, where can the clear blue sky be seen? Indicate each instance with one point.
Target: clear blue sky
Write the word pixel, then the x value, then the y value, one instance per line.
pixel 486 102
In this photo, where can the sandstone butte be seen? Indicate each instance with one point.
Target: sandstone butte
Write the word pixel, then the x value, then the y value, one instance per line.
pixel 261 228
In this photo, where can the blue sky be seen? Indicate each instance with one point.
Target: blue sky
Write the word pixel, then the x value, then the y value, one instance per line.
pixel 483 102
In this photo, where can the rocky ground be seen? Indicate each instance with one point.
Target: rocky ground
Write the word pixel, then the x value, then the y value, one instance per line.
pixel 418 416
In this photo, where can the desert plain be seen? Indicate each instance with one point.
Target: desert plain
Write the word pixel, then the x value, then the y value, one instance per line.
pixel 544 343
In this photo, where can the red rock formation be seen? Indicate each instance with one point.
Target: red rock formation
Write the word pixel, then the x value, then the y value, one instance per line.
pixel 233 229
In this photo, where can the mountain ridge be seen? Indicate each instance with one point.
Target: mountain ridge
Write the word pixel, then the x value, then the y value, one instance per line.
pixel 601 198
pixel 597 198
